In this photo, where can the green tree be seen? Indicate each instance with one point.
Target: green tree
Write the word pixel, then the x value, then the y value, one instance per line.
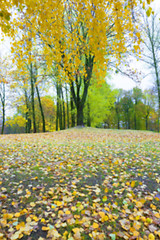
pixel 100 101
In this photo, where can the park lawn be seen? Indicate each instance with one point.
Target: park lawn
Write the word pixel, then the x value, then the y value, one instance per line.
pixel 80 184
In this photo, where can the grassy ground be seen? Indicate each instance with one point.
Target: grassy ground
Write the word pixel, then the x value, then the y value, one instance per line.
pixel 80 184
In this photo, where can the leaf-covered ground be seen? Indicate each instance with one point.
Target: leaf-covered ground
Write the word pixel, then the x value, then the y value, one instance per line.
pixel 80 184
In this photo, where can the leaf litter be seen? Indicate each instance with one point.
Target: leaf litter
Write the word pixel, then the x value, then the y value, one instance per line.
pixel 80 184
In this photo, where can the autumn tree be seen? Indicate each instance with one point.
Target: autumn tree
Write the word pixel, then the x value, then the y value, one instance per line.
pixel 15 124
pixel 80 37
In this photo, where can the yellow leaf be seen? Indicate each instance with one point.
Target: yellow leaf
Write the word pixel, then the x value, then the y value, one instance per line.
pixel 149 11
pixel 132 184
pixel 32 204
pixel 67 212
pixel 151 236
pixel 104 199
pixel 101 236
pixel 157 215
pixel 45 228
pixel 28 219
pixel 15 235
pixel 43 220
pixel 20 225
pixel 135 233
pixel 73 208
pixel 102 214
pixel 58 203
pixel 157 233
pixel 136 225
pixel 77 233
pixel 35 218
pixel 139 204
pixel 125 224
pixel 106 190
pixel 95 225
pixel 17 214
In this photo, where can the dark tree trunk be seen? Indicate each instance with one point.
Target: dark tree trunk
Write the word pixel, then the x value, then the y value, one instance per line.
pixel 59 122
pixel 58 107
pixel 67 107
pixel 135 121
pixel 32 99
pixel 64 112
pixel 41 109
pixel 57 112
pixel 3 100
pixel 3 117
pixel 88 115
pixel 118 123
pixel 73 120
pixel 60 115
pixel 39 101
pixel 158 110
pixel 128 119
pixel 79 114
pixel 79 99
pixel 28 119
pixel 118 118
pixel 135 116
pixel 146 122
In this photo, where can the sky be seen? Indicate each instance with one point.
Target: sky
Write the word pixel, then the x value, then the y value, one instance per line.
pixel 116 80
pixel 126 83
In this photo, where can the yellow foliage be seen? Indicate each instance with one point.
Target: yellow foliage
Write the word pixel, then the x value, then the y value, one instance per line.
pixel 71 41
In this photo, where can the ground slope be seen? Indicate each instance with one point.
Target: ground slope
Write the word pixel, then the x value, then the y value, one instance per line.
pixel 80 184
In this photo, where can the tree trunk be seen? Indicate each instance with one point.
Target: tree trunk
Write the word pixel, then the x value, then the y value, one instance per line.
pixel 57 110
pixel 2 98
pixel 118 122
pixel 59 107
pixel 73 120
pixel 39 101
pixel 67 107
pixel 118 118
pixel 158 120
pixel 146 122
pixel 64 112
pixel 128 116
pixel 3 117
pixel 80 99
pixel 28 120
pixel 135 120
pixel 60 115
pixel 88 115
pixel 41 109
pixel 79 115
pixel 32 99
